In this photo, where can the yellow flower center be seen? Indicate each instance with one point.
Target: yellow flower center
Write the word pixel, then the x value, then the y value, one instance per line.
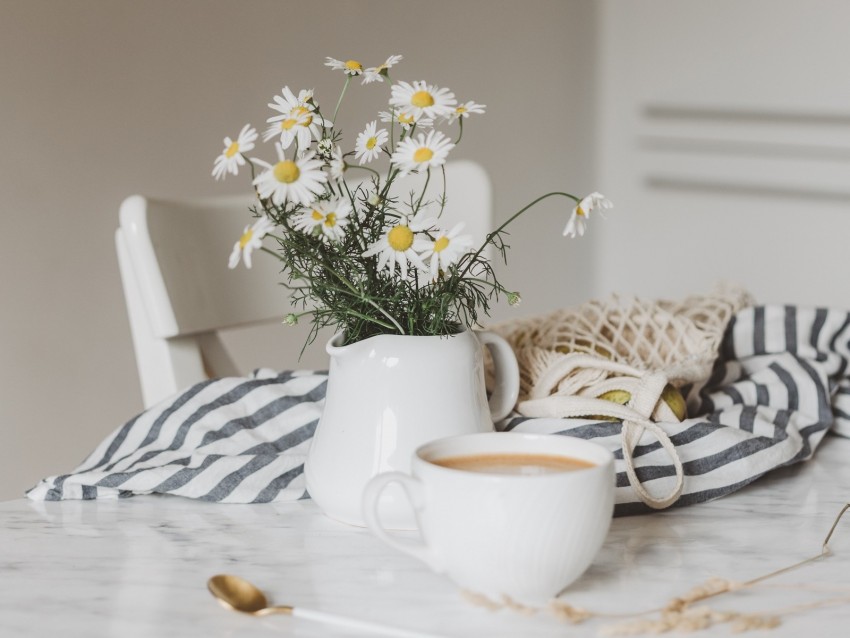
pixel 422 99
pixel 299 111
pixel 296 116
pixel 441 244
pixel 400 238
pixel 405 118
pixel 232 150
pixel 246 237
pixel 580 211
pixel 330 220
pixel 422 155
pixel 461 110
pixel 353 65
pixel 286 171
pixel 317 215
pixel 370 143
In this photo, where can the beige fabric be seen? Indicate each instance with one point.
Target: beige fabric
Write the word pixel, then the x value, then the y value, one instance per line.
pixel 568 359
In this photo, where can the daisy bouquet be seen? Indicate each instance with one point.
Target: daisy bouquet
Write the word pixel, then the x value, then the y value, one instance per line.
pixel 355 253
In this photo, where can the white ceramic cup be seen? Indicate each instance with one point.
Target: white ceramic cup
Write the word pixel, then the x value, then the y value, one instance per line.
pixel 527 537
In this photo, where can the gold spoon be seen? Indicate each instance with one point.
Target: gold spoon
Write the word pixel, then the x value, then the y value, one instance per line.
pixel 238 594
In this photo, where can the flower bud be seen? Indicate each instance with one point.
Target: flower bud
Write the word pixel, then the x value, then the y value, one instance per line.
pixel 291 319
pixel 325 148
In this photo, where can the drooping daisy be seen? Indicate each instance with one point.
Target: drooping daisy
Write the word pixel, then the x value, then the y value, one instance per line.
pixel 396 245
pixel 421 99
pixel 252 238
pixel 349 67
pixel 422 152
pixel 377 73
pixel 231 157
pixel 298 180
pixel 406 119
pixel 330 217
pixel 297 119
pixel 336 165
pixel 578 219
pixel 444 250
pixel 369 143
pixel 463 110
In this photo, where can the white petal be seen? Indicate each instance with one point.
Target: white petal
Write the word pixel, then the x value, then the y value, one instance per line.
pixel 234 256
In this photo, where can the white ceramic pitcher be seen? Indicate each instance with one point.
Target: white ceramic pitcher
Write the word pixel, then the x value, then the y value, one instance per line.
pixel 389 394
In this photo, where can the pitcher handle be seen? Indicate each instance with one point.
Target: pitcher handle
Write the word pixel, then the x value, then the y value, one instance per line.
pixel 506 392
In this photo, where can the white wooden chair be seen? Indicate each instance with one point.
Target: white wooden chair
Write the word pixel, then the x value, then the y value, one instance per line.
pixel 180 293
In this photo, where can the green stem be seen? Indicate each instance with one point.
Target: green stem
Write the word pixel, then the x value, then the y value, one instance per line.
pixel 424 188
pixel 272 252
pixel 366 168
pixel 493 284
pixel 491 235
pixel 443 198
pixel 384 324
pixel 460 135
pixel 339 101
pixel 253 177
pixel 391 175
pixel 392 131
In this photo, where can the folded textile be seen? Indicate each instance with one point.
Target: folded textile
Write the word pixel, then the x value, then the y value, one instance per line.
pixel 779 384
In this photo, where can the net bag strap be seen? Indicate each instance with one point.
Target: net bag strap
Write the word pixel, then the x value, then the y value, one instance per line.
pixel 646 389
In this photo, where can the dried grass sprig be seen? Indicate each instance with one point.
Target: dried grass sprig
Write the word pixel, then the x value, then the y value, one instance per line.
pixel 679 614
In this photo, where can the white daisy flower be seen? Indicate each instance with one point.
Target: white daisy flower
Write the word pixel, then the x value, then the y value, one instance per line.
pixel 298 119
pixel 406 119
pixel 336 165
pixel 252 238
pixel 445 250
pixel 369 143
pixel 297 181
pixel 377 73
pixel 231 157
pixel 396 245
pixel 463 110
pixel 578 219
pixel 422 152
pixel 349 67
pixel 421 99
pixel 330 217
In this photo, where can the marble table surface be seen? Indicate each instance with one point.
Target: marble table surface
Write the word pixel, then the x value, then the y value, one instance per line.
pixel 139 566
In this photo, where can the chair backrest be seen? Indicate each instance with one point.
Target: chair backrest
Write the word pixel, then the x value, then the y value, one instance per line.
pixel 180 293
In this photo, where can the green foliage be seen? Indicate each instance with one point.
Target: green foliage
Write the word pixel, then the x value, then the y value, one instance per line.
pixel 334 284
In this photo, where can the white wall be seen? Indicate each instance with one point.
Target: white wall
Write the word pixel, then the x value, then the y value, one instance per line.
pixel 103 98
pixel 725 137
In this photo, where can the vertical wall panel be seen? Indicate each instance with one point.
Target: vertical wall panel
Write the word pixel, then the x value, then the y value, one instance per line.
pixel 725 143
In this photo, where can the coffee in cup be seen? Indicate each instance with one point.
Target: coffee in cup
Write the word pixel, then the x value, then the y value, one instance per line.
pixel 522 464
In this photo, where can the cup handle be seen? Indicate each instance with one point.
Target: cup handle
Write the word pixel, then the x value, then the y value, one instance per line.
pixel 415 494
pixel 506 392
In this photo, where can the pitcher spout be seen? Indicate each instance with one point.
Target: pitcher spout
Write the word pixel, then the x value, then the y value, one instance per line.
pixel 335 347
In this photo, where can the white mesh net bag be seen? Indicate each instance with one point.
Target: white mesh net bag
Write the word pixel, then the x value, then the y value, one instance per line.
pixel 623 359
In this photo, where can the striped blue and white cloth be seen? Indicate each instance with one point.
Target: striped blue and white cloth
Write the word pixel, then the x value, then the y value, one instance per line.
pixel 779 384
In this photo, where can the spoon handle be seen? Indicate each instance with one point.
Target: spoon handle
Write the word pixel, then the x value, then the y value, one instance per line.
pixel 362 625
